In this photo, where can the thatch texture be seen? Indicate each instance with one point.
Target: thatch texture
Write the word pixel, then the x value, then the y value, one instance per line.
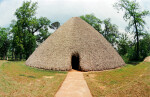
pixel 147 59
pixel 75 36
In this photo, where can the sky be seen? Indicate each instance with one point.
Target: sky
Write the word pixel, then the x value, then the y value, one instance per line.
pixel 62 10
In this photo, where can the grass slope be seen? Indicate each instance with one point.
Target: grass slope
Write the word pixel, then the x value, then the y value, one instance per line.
pixel 17 79
pixel 128 81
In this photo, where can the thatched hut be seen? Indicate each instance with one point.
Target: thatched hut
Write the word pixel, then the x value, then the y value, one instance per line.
pixel 147 59
pixel 75 45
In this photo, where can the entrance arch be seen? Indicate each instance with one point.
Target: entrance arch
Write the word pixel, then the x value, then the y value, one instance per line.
pixel 75 61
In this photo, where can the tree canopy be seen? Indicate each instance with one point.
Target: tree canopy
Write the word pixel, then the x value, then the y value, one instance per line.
pixel 25 29
pixel 135 18
pixel 4 42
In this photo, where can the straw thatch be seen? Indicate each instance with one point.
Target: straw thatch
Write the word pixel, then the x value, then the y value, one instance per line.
pixel 75 37
pixel 147 59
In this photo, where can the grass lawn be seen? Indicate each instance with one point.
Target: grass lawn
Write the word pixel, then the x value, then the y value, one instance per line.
pixel 128 81
pixel 19 80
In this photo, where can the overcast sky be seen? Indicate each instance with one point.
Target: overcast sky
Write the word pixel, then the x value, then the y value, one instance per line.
pixel 62 10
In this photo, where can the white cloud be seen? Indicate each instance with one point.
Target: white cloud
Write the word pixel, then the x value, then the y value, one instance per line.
pixel 62 10
pixel 7 10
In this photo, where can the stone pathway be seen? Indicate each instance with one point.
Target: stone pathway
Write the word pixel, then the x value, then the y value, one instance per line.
pixel 74 86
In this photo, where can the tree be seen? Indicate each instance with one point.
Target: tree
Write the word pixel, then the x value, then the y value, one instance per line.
pixel 93 21
pixel 29 44
pixel 26 18
pixel 123 44
pixel 17 42
pixel 43 35
pixel 3 36
pixel 126 48
pixel 55 25
pixel 4 42
pixel 110 31
pixel 145 46
pixel 134 16
pixel 25 29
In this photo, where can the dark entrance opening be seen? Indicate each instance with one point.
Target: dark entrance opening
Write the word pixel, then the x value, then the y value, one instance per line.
pixel 75 61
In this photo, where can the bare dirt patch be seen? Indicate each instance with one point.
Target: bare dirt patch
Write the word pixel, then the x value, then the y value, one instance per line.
pixel 48 77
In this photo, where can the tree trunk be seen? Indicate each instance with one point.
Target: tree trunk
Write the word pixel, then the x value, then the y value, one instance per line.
pixel 15 57
pixel 137 46
pixel 20 56
pixel 12 54
pixel 4 57
pixel 137 39
pixel 27 56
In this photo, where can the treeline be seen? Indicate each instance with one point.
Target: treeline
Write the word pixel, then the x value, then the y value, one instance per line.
pixel 24 34
pixel 27 32
pixel 134 48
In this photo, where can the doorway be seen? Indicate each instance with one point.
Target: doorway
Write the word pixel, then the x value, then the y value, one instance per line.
pixel 75 61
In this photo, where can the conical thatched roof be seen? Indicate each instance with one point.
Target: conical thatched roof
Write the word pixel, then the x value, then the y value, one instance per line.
pixel 147 59
pixel 75 38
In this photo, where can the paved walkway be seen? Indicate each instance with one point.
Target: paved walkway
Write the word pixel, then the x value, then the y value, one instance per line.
pixel 74 86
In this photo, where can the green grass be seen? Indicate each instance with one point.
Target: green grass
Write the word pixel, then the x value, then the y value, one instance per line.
pixel 128 81
pixel 17 79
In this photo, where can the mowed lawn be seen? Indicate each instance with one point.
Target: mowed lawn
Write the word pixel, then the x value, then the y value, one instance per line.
pixel 19 80
pixel 128 81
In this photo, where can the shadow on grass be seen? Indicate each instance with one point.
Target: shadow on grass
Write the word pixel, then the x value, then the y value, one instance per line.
pixel 134 63
pixel 16 60
pixel 31 76
pixel 21 75
pixel 27 76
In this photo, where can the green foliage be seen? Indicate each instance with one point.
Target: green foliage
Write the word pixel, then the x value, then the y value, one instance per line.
pixel 93 21
pixel 26 10
pixel 123 44
pixel 134 16
pixel 25 29
pixel 126 59
pixel 127 48
pixel 43 35
pixel 4 42
pixel 43 32
pixel 29 44
pixel 55 25
pixel 131 54
pixel 3 36
pixel 110 31
pixel 145 46
pixel 17 42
